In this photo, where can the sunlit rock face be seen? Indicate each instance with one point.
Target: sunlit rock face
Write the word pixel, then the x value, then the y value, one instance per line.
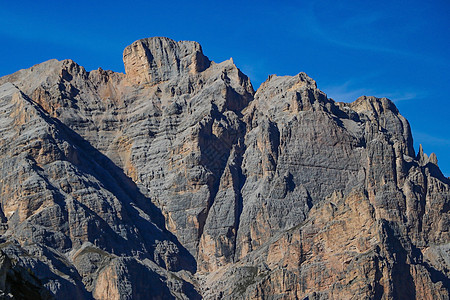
pixel 178 180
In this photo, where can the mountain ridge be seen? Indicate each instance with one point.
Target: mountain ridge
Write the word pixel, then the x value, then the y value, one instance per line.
pixel 207 188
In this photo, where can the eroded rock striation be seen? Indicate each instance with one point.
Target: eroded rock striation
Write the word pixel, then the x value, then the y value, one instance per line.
pixel 178 180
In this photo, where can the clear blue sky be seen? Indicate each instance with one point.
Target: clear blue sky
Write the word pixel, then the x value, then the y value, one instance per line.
pixel 397 49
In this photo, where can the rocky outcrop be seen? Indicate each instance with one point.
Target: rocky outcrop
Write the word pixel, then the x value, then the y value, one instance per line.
pixel 178 180
pixel 18 283
pixel 155 60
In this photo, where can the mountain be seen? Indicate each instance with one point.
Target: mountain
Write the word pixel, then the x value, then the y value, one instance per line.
pixel 178 180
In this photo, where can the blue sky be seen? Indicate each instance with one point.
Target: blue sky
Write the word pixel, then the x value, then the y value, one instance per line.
pixel 396 49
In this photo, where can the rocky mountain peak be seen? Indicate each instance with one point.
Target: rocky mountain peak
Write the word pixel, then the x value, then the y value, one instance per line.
pixel 179 176
pixel 373 105
pixel 157 59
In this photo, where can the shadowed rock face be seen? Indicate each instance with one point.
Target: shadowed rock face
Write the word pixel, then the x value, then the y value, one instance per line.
pixel 177 180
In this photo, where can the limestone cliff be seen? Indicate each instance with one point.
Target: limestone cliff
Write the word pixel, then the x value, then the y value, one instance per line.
pixel 178 180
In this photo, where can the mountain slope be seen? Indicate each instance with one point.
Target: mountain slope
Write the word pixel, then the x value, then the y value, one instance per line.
pixel 177 179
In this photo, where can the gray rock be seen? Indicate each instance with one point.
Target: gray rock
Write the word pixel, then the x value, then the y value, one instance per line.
pixel 178 176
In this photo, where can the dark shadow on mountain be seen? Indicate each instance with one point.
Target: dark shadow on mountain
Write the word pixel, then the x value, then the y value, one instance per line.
pixel 437 276
pixel 113 179
pixel 403 282
pixel 147 284
pixel 26 279
pixel 127 192
pixel 436 172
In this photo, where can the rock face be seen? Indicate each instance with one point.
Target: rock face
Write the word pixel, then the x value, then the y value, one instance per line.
pixel 178 180
pixel 18 283
pixel 159 59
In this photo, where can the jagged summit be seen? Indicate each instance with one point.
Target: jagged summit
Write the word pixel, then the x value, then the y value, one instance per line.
pixel 157 59
pixel 178 180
